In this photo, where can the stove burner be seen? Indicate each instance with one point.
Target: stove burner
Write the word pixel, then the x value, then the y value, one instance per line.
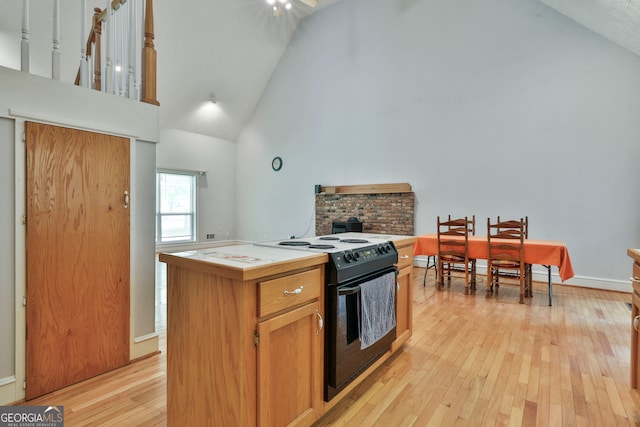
pixel 354 241
pixel 294 243
pixel 328 238
pixel 317 246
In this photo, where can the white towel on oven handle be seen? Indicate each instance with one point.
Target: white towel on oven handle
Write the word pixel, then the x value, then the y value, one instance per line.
pixel 377 308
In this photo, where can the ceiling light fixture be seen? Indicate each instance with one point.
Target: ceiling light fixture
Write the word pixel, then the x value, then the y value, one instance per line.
pixel 212 98
pixel 279 5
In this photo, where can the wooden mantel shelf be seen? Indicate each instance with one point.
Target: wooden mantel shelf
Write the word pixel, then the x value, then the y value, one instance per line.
pixel 367 189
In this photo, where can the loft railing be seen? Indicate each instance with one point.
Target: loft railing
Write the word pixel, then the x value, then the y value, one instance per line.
pixel 108 60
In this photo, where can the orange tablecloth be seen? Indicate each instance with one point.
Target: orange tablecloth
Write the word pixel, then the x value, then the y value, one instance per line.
pixel 542 252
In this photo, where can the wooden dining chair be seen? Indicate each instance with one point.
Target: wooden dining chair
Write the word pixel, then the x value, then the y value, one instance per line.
pixel 453 251
pixel 505 255
pixel 528 267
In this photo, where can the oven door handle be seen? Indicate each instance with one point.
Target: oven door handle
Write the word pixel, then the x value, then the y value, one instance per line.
pixel 352 290
pixel 349 291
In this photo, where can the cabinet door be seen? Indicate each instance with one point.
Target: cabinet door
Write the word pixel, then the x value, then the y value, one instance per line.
pixel 404 308
pixel 290 367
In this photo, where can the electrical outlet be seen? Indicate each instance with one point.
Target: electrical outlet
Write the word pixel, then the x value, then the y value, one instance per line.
pixel 211 236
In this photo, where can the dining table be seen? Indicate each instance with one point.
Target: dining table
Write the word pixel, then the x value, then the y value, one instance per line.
pixel 546 253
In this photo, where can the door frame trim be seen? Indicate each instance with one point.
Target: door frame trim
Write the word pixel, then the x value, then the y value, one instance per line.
pixel 137 348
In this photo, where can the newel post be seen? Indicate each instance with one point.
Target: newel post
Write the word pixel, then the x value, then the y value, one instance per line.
pixel 149 58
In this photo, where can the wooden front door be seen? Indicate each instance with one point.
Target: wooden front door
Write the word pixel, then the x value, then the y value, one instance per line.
pixel 77 256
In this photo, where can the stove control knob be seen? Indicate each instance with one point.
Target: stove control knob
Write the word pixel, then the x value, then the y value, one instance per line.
pixel 388 247
pixel 356 255
pixel 348 257
pixel 380 249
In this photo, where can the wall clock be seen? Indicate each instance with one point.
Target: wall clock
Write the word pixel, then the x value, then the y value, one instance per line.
pixel 276 163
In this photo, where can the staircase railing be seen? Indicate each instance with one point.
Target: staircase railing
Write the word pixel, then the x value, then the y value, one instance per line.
pixel 108 59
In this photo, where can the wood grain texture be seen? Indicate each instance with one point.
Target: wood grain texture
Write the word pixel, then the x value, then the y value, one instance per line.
pixel 405 254
pixel 480 361
pixel 149 62
pixel 290 354
pixel 404 299
pixel 77 256
pixel 471 361
pixel 404 308
pixel 279 294
pixel 210 349
pixel 367 189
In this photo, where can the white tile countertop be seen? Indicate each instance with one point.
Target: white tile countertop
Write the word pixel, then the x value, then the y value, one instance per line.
pixel 243 261
pixel 242 256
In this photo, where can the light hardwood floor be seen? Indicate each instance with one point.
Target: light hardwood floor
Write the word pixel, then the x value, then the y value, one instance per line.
pixel 472 360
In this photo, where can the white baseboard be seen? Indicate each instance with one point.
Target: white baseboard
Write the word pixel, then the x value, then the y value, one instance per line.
pixel 540 274
pixel 145 345
pixel 8 390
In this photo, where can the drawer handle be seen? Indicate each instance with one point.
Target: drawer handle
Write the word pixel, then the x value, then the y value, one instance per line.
pixel 404 256
pixel 296 291
pixel 636 322
pixel 634 279
pixel 320 322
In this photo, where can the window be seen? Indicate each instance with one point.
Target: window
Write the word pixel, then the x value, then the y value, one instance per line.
pixel 176 207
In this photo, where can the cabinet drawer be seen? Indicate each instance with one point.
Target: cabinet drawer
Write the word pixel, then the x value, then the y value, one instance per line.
pixel 405 256
pixel 279 294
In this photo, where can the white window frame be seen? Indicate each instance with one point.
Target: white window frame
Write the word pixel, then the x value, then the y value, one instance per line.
pixel 194 203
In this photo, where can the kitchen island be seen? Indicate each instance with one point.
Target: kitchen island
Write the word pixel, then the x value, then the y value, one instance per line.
pixel 245 339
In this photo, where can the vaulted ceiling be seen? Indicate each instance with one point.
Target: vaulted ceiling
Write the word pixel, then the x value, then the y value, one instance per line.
pixel 231 48
pixel 617 20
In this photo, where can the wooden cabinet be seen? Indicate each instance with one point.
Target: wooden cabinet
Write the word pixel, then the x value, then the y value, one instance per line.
pixel 241 351
pixel 290 348
pixel 635 327
pixel 404 308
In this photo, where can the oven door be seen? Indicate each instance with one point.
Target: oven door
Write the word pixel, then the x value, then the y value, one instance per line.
pixel 344 359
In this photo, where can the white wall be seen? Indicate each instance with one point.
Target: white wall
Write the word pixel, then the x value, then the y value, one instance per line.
pixel 143 231
pixel 217 189
pixel 7 260
pixel 372 91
